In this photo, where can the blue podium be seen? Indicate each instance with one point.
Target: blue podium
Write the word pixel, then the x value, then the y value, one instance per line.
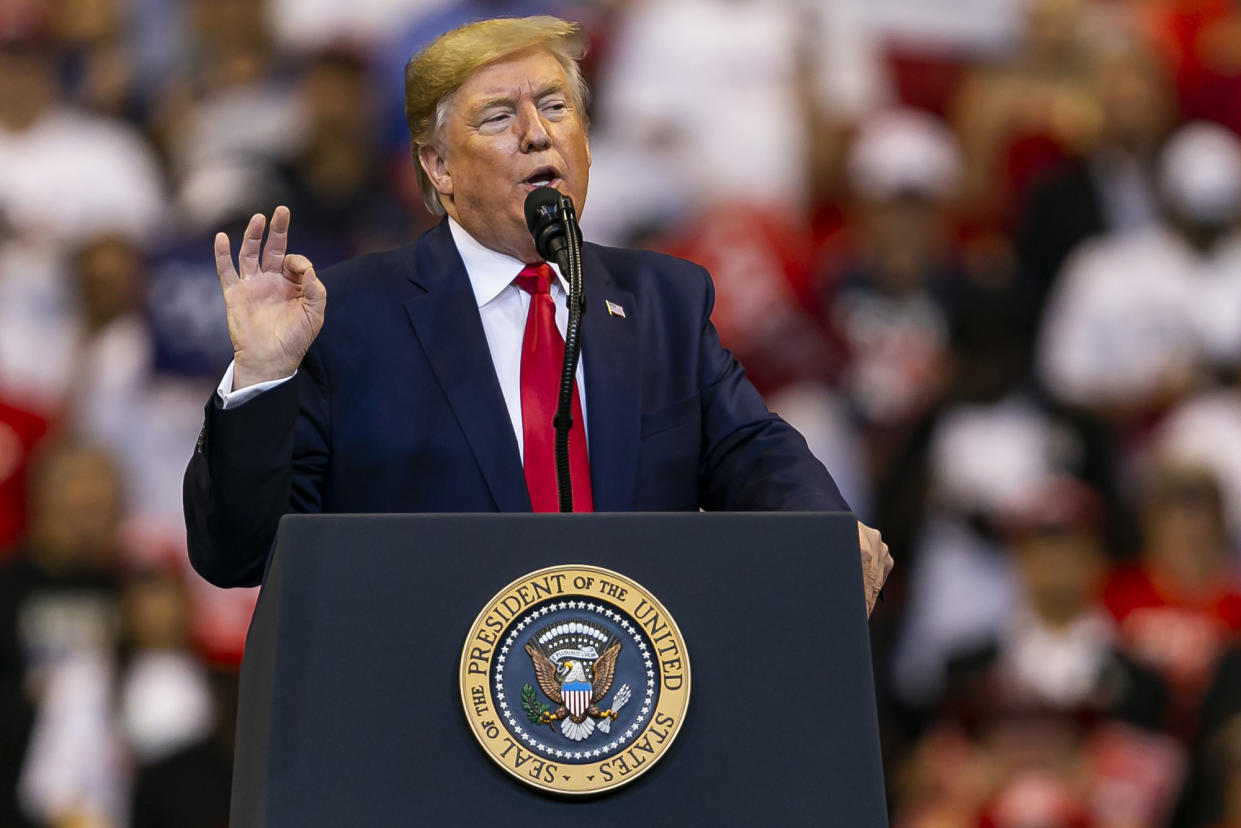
pixel 351 710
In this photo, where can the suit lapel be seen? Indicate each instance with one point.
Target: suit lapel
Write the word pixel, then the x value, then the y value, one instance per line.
pixel 450 330
pixel 614 406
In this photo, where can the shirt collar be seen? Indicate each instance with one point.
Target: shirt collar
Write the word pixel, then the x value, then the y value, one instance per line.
pixel 490 271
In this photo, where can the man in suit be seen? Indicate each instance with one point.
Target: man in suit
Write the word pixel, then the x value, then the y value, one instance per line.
pixel 426 388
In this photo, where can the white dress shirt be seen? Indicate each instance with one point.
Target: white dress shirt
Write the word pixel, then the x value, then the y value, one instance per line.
pixel 502 307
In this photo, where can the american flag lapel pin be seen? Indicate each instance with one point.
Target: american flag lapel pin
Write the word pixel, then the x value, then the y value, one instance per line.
pixel 614 309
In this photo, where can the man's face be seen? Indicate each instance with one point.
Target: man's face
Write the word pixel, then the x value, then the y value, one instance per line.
pixel 511 127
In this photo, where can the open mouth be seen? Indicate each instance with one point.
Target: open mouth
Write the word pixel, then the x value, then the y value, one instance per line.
pixel 542 177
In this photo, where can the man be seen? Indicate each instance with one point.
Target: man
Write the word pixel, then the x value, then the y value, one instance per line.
pixel 1139 320
pixel 420 393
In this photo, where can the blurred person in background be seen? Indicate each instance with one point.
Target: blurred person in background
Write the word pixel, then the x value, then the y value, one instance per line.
pixel 162 689
pixel 1058 646
pixel 731 60
pixel 140 394
pixel 230 115
pixel 1025 110
pixel 1204 431
pixel 99 675
pixel 1048 724
pixel 760 262
pixel 59 599
pixel 96 60
pixel 1136 321
pixel 1212 797
pixel 39 331
pixel 934 378
pixel 336 183
pixel 1178 607
pixel 973 460
pixel 1110 188
pixel 66 174
pixel 190 788
pixel 122 394
pixel 113 354
pixel 106 712
pixel 887 288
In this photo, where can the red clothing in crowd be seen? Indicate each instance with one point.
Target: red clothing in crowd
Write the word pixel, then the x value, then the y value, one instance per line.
pixel 20 430
pixel 764 300
pixel 1181 634
pixel 1198 38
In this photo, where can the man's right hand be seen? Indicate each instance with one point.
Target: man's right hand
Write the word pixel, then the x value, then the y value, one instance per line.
pixel 274 306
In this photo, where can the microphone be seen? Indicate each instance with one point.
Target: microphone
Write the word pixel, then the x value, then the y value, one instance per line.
pixel 553 226
pixel 546 213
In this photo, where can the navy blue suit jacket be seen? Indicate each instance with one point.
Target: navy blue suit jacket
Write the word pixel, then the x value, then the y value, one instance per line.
pixel 396 408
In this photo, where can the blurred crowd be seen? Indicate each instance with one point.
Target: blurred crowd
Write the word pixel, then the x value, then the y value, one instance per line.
pixel 985 254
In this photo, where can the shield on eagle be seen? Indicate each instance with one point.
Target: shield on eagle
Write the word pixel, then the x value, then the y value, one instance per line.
pixel 576 696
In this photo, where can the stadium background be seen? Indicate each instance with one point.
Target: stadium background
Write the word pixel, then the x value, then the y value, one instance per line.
pixel 984 253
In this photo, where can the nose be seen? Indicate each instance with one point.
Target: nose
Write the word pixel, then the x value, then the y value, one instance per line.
pixel 534 134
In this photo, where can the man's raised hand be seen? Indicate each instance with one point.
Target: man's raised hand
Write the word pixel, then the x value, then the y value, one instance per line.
pixel 274 302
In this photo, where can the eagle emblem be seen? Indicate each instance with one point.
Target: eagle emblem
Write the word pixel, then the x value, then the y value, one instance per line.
pixel 574 663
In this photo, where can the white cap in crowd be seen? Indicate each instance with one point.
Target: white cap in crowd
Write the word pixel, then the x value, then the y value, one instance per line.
pixel 1200 173
pixel 904 151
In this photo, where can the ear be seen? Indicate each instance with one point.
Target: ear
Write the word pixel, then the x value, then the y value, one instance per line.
pixel 435 165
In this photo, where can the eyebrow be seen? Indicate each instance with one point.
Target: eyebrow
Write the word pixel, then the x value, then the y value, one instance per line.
pixel 550 88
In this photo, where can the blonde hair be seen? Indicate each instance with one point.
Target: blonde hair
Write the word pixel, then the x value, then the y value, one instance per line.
pixel 433 75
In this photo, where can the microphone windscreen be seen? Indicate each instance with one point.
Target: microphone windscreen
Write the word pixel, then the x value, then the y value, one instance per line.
pixel 542 208
pixel 546 210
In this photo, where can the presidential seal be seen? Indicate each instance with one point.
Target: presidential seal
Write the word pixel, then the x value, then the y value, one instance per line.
pixel 574 679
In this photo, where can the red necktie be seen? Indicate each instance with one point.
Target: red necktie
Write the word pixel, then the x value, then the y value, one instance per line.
pixel 542 352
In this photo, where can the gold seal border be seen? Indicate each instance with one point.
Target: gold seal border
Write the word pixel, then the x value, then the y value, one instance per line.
pixel 672 703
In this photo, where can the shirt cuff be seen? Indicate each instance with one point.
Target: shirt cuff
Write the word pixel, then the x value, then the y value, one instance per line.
pixel 232 399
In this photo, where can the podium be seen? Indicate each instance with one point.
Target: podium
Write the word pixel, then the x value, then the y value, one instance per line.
pixel 350 709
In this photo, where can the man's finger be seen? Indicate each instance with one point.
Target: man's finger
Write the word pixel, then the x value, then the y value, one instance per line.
pixel 313 289
pixel 277 240
pixel 224 261
pixel 876 563
pixel 248 257
pixel 296 268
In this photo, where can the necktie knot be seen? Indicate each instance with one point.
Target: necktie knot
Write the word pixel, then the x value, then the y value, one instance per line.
pixel 535 278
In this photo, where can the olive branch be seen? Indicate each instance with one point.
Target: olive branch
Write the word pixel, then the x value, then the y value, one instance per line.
pixel 531 705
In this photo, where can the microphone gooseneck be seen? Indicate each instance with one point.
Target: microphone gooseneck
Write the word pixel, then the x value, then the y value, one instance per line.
pixel 552 222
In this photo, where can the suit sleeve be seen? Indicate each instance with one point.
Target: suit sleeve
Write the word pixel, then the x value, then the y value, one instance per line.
pixel 253 464
pixel 751 459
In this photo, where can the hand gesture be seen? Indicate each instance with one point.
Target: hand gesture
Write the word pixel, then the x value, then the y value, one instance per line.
pixel 274 307
pixel 876 563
